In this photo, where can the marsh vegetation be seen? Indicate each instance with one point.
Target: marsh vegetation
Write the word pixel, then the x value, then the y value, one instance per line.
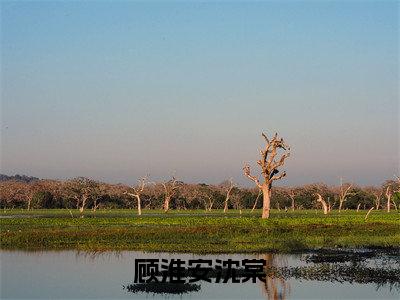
pixel 197 231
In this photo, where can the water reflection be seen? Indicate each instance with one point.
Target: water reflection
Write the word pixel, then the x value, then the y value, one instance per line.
pixel 328 273
pixel 362 267
pixel 274 288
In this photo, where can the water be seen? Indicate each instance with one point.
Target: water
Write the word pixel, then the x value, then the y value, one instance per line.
pixel 109 275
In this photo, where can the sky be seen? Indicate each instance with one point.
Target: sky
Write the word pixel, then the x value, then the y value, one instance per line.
pixel 118 90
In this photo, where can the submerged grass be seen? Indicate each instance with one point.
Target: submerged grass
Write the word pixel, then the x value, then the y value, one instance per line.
pixel 197 231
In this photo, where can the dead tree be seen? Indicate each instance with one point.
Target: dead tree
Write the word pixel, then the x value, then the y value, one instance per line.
pixel 255 202
pixel 228 194
pixel 292 195
pixel 137 192
pixel 343 193
pixel 369 211
pixel 269 169
pixel 208 202
pixel 237 202
pixel 331 206
pixel 377 195
pixel 388 194
pixel 82 190
pixel 324 205
pixel 170 188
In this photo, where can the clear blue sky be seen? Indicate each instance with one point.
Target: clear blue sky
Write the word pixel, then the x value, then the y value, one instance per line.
pixel 117 90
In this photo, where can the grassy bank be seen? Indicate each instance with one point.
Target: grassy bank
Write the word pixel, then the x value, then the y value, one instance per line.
pixel 196 231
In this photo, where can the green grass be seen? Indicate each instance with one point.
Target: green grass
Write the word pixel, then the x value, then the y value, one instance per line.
pixel 197 231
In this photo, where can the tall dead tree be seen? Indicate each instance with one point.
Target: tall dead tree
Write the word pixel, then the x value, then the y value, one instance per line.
pixel 228 194
pixel 344 191
pixel 137 192
pixel 377 195
pixel 170 188
pixel 388 194
pixel 269 169
pixel 324 205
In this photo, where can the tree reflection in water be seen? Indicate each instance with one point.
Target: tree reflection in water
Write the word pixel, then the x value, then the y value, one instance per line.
pixel 274 288
pixel 365 266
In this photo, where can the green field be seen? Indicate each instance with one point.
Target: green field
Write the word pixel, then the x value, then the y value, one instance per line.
pixel 197 231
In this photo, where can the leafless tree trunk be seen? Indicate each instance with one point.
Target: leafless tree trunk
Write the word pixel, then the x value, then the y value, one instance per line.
pixel 369 211
pixel 330 207
pixel 358 207
pixel 389 197
pixel 208 204
pixel 137 192
pixel 83 203
pixel 269 169
pixel 228 195
pixel 29 203
pixel 344 192
pixel 324 205
pixel 170 188
pixel 95 205
pixel 378 196
pixel 266 201
pixel 255 202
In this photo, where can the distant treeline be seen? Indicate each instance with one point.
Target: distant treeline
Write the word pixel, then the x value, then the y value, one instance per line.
pixel 22 178
pixel 83 193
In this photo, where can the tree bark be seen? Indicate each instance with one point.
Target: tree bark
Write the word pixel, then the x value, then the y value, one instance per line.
pixel 340 204
pixel 388 196
pixel 228 195
pixel 139 205
pixel 166 203
pixel 266 202
pixel 226 205
pixel 366 216
pixel 324 205
pixel 255 202
pixel 82 207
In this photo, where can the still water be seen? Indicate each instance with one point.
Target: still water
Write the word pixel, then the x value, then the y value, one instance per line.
pixel 110 275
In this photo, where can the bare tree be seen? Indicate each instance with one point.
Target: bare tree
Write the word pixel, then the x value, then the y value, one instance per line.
pixel 377 193
pixel 138 191
pixel 292 195
pixel 208 201
pixel 237 202
pixel 324 205
pixel 81 189
pixel 228 194
pixel 388 194
pixel 269 169
pixel 255 202
pixel 170 188
pixel 369 211
pixel 331 206
pixel 392 190
pixel 344 191
pixel 97 193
